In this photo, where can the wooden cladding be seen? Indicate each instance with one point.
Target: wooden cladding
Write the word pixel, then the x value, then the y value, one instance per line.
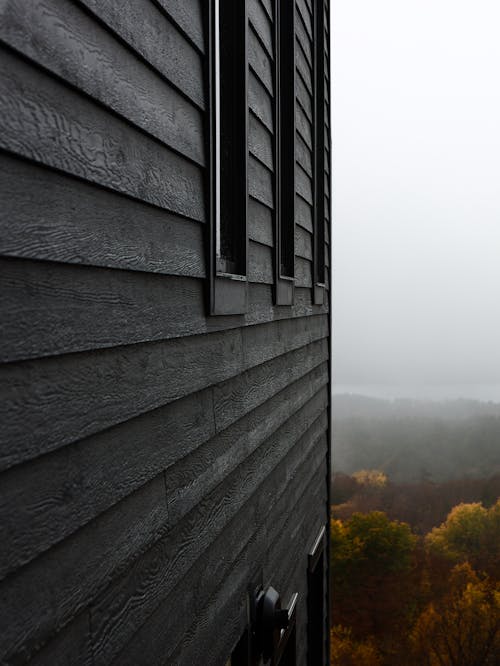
pixel 229 156
pixel 284 25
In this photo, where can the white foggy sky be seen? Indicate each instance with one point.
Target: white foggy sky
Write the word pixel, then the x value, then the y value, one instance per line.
pixel 416 191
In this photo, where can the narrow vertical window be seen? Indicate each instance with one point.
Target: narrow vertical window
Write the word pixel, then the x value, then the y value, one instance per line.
pixel 229 148
pixel 319 151
pixel 284 149
pixel 316 618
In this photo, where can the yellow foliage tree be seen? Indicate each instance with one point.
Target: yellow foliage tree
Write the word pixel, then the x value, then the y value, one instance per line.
pixel 346 651
pixel 463 627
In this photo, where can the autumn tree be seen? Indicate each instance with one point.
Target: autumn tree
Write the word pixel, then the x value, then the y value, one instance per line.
pixel 371 566
pixel 462 628
pixel 469 533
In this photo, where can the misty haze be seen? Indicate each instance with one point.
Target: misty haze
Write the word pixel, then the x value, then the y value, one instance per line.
pixel 415 529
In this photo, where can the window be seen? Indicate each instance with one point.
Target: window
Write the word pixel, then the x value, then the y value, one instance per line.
pixel 228 151
pixel 284 123
pixel 319 151
pixel 316 617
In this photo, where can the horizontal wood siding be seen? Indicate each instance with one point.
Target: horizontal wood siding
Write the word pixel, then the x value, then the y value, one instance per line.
pixel 152 458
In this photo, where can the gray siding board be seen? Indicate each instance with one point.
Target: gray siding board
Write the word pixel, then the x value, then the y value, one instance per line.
pixel 260 142
pixel 259 61
pixel 260 263
pixel 66 220
pixel 47 33
pixel 129 602
pixel 146 29
pixel 260 182
pixel 260 223
pixel 260 101
pixel 47 122
pixel 261 24
pixel 247 546
pixel 188 16
pixel 97 552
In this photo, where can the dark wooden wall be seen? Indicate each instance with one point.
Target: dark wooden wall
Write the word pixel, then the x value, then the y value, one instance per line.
pixel 152 459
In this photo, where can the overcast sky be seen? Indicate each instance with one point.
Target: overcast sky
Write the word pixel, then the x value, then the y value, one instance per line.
pixel 416 185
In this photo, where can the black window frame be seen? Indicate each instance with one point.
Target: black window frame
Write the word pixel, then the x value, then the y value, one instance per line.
pixel 319 265
pixel 228 68
pixel 284 150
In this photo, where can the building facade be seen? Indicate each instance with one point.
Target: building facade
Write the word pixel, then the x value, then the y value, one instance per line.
pixel 164 245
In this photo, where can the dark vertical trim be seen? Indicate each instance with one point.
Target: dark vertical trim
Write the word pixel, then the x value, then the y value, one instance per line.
pixel 316 615
pixel 284 150
pixel 319 152
pixel 228 164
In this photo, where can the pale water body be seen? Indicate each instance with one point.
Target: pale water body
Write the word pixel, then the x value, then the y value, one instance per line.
pixel 480 392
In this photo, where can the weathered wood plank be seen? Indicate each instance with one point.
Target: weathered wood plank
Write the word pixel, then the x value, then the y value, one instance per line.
pixel 260 223
pixel 304 127
pixel 261 24
pixel 260 182
pixel 303 243
pixel 303 154
pixel 127 604
pixel 305 15
pixel 65 40
pixel 43 120
pixel 47 215
pixel 303 214
pixel 244 537
pixel 64 580
pixel 192 478
pixel 50 309
pixel 303 184
pixel 260 101
pixel 259 61
pixel 303 68
pixel 48 499
pixel 71 646
pixel 86 395
pixel 260 142
pixel 304 39
pixel 144 28
pixel 225 601
pixel 304 97
pixel 188 16
pixel 303 272
pixel 260 263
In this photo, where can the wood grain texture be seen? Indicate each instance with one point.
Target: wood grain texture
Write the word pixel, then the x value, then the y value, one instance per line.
pixel 146 29
pixel 261 24
pixel 304 97
pixel 260 142
pixel 304 127
pixel 259 61
pixel 260 182
pixel 303 272
pixel 128 603
pixel 71 646
pixel 43 120
pixel 51 309
pixel 188 16
pixel 304 68
pixel 303 214
pixel 303 155
pixel 49 216
pixel 64 580
pixel 100 390
pixel 50 498
pixel 260 101
pixel 260 223
pixel 303 184
pixel 246 538
pixel 303 243
pixel 260 263
pixel 65 40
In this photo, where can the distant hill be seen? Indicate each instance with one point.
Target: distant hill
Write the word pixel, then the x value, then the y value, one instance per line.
pixel 414 440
